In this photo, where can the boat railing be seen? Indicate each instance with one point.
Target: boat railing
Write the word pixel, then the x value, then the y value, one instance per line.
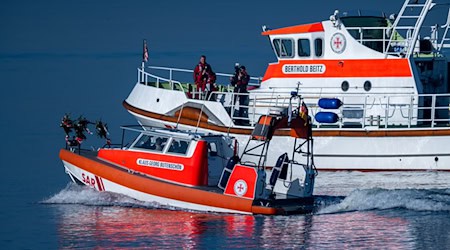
pixel 379 38
pixel 149 130
pixel 427 110
pixel 168 80
pixel 445 39
pixel 86 149
pixel 400 37
pixel 358 111
pixel 159 82
pixel 254 105
pixel 401 111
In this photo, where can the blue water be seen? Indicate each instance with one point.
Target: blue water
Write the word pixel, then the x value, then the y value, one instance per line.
pixel 393 217
pixel 81 57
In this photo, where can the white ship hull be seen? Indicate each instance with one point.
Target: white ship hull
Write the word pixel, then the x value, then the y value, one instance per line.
pixel 395 94
pixel 399 153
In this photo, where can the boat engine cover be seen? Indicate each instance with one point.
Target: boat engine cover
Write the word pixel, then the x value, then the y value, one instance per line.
pixel 242 182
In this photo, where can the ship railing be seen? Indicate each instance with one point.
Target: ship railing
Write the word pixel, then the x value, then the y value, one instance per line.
pixel 246 108
pixel 445 39
pixel 401 111
pixel 358 111
pixel 159 82
pixel 378 38
pixel 184 80
pixel 389 111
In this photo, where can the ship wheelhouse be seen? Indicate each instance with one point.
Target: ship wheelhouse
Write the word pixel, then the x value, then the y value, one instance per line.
pixel 301 42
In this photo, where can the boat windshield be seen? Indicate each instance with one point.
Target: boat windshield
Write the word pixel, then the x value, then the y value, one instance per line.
pixel 163 144
pixel 178 146
pixel 152 142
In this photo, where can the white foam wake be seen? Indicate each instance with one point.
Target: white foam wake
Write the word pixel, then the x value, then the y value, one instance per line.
pixel 377 198
pixel 76 194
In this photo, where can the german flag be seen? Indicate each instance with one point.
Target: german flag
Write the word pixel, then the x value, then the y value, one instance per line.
pixel 304 113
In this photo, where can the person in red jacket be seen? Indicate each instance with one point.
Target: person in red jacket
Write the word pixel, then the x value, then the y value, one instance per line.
pixel 203 75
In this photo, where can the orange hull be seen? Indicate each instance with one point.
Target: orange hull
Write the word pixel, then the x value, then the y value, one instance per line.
pixel 148 185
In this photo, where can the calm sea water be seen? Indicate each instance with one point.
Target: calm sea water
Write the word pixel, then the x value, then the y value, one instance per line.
pixel 364 211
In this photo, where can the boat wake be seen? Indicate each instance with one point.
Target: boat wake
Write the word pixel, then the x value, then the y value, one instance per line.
pixel 83 195
pixel 381 199
pixel 435 200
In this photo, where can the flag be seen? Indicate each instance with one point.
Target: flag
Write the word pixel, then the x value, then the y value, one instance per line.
pixel 304 113
pixel 145 52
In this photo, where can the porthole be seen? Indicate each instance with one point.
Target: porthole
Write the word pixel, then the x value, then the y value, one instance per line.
pixel 367 85
pixel 344 86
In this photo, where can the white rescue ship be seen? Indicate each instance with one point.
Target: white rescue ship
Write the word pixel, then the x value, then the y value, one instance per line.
pixel 383 82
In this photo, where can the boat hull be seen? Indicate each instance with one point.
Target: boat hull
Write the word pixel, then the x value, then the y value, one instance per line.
pixel 370 150
pixel 104 176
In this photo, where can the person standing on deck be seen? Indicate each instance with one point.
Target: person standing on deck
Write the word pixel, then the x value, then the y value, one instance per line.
pixel 240 82
pixel 202 73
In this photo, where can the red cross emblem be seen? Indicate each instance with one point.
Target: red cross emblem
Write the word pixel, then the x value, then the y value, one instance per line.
pixel 338 43
pixel 240 187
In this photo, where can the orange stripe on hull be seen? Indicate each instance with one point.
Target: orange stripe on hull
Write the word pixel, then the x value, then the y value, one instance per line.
pixel 297 29
pixel 344 68
pixel 159 188
pixel 266 210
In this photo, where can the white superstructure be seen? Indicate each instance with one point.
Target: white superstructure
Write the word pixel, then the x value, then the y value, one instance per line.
pixel 393 83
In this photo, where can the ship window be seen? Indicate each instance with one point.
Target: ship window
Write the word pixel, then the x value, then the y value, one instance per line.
pixel 304 48
pixel 318 46
pixel 178 146
pixel 283 47
pixel 151 142
pixel 345 86
pixel 367 85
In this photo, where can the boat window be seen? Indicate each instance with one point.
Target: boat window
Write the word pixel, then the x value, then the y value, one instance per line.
pixel 345 86
pixel 284 47
pixel 151 142
pixel 318 46
pixel 367 85
pixel 304 48
pixel 178 146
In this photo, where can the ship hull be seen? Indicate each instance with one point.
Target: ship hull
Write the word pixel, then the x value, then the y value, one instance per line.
pixel 104 176
pixel 335 150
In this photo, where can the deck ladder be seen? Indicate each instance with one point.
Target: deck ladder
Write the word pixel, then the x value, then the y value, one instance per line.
pixel 409 19
pixel 445 37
